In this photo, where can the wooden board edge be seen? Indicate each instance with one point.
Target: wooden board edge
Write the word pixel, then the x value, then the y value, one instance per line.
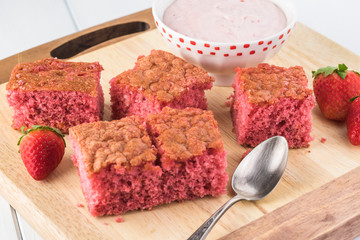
pixel 43 51
pixel 46 226
pixel 327 205
pixel 26 208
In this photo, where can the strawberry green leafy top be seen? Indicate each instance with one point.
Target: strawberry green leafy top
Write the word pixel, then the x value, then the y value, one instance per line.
pixel 353 99
pixel 39 127
pixel 340 70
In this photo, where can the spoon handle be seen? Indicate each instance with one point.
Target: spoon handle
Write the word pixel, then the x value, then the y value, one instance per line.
pixel 204 229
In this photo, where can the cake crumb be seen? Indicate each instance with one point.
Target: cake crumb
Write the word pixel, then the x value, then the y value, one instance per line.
pixel 119 219
pixel 309 151
pixel 323 140
pixel 245 153
pixel 80 205
pixel 105 223
pixel 230 100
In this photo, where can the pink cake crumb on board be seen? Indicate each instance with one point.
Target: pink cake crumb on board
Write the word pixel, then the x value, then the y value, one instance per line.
pixel 245 154
pixel 269 101
pixel 158 80
pixel 55 93
pixel 135 163
pixel 119 219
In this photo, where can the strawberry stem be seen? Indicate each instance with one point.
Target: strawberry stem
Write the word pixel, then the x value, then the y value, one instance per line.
pixel 22 129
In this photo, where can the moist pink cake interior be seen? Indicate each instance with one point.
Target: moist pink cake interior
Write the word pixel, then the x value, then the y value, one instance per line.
pixel 158 80
pixel 132 165
pixel 55 93
pixel 269 101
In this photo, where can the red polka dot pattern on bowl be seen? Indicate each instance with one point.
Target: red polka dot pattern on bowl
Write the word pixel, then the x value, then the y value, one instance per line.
pixel 221 49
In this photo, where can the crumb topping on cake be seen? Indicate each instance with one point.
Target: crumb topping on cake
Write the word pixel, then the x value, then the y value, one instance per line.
pixel 124 143
pixel 52 74
pixel 182 134
pixel 165 76
pixel 267 83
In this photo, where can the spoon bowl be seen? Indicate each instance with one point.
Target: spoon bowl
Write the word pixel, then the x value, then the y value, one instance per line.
pixel 260 171
pixel 254 178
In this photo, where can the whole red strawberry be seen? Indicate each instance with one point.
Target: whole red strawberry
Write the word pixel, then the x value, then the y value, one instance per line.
pixel 353 121
pixel 333 89
pixel 41 149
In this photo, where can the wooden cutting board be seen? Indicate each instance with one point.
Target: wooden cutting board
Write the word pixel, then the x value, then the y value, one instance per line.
pixel 51 206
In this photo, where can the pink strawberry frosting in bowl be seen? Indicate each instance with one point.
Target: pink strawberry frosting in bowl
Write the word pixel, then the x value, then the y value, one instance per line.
pixel 220 35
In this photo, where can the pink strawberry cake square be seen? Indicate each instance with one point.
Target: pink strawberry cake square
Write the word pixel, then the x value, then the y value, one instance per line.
pixel 55 93
pixel 191 153
pixel 269 100
pixel 135 163
pixel 158 80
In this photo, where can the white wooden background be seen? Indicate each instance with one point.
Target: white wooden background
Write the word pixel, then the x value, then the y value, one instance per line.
pixel 27 23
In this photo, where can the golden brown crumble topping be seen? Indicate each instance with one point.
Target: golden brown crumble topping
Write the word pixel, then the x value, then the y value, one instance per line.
pixel 124 143
pixel 164 76
pixel 51 74
pixel 182 134
pixel 267 83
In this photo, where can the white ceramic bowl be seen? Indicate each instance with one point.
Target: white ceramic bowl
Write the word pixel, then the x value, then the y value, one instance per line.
pixel 221 59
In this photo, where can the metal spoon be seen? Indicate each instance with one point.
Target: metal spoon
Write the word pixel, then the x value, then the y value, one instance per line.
pixel 255 177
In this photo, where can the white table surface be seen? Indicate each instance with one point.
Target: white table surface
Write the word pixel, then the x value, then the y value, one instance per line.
pixel 25 24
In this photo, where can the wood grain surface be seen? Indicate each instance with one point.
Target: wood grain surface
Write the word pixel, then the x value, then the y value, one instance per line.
pixel 51 205
pixel 329 212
